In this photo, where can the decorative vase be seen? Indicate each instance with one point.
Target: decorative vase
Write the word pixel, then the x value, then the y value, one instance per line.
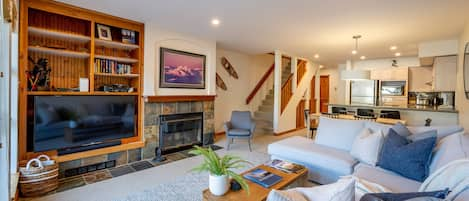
pixel 218 185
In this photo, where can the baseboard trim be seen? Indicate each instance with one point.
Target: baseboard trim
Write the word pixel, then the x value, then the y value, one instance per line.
pixel 289 131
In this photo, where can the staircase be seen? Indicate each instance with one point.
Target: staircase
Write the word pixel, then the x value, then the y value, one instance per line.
pixel 264 115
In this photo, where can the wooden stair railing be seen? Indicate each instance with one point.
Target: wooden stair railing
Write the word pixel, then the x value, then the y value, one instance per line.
pixel 300 71
pixel 286 93
pixel 259 84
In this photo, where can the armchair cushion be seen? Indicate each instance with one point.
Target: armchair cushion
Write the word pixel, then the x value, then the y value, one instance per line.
pixel 238 132
pixel 227 126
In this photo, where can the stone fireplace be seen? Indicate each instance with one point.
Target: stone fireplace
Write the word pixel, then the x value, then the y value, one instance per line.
pixel 180 131
pixel 154 111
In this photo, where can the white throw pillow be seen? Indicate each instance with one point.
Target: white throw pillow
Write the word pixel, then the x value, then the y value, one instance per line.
pixel 366 146
pixel 342 190
pixel 285 195
pixel 338 133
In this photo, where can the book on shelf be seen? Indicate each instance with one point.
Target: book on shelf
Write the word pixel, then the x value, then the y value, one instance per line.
pixel 262 177
pixel 111 67
pixel 285 166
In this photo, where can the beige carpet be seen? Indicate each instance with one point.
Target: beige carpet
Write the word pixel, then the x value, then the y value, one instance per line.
pixel 124 186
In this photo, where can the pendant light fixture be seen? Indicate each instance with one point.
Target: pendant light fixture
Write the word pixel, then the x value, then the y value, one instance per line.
pixel 350 73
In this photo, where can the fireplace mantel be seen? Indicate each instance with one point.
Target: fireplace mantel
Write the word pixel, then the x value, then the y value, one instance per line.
pixel 163 99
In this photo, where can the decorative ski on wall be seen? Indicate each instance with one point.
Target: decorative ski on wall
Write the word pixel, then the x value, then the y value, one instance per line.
pixel 228 67
pixel 220 82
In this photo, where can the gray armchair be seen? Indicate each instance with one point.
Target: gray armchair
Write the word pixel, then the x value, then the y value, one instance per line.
pixel 241 125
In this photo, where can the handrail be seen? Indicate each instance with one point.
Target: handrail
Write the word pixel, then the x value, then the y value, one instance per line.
pixel 300 71
pixel 286 93
pixel 259 84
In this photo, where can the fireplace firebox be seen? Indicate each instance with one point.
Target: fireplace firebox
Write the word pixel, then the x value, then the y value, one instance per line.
pixel 179 132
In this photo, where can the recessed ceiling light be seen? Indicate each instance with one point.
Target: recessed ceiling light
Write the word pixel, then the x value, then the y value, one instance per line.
pixel 354 51
pixel 215 22
pixel 316 56
pixel 397 54
pixel 362 57
pixel 321 66
pixel 393 47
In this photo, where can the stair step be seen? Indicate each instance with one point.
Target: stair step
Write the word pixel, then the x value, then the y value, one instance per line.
pixel 263 115
pixel 267 108
pixel 268 102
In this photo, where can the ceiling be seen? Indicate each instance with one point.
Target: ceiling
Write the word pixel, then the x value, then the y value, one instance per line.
pixel 301 27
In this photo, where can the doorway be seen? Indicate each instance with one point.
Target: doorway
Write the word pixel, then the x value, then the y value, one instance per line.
pixel 323 94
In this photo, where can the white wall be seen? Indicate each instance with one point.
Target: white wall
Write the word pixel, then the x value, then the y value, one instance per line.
pixel 462 104
pixel 250 69
pixel 156 38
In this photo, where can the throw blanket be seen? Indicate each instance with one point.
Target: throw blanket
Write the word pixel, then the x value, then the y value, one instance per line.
pixel 454 175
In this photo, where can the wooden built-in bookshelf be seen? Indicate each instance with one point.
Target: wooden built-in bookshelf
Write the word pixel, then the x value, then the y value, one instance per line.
pixel 67 36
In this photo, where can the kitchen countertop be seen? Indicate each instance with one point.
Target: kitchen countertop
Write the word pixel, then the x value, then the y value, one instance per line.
pixel 408 107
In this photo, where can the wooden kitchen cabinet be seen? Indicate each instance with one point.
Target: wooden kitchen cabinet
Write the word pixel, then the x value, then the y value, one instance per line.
pixel 420 79
pixel 444 73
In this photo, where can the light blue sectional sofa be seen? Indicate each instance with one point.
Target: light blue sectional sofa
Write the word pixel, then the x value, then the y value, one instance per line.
pixel 327 157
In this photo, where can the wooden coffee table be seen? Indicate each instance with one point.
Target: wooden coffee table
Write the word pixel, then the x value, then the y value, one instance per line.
pixel 257 192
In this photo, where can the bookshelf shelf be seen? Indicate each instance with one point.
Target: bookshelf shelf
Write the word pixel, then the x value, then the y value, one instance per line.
pixel 49 33
pixel 59 52
pixel 57 93
pixel 117 75
pixel 114 44
pixel 118 59
pixel 116 93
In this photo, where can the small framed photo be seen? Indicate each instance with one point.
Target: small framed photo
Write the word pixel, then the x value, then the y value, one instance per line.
pixel 128 36
pixel 104 32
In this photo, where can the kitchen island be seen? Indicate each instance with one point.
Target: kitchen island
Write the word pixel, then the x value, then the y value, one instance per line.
pixel 414 115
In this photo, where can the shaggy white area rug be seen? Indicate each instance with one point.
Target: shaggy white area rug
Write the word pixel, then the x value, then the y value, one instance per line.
pixel 189 187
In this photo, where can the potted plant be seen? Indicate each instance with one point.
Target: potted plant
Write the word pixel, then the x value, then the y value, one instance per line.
pixel 220 169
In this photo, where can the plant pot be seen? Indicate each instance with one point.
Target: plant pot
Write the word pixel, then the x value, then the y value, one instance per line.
pixel 218 185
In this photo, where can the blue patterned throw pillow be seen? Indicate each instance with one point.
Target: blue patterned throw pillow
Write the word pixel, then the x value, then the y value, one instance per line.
pixel 407 158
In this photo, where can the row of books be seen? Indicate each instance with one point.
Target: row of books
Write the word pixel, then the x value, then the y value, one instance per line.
pixel 110 66
pixel 267 179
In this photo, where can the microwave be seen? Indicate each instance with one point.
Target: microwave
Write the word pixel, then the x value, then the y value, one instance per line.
pixel 392 88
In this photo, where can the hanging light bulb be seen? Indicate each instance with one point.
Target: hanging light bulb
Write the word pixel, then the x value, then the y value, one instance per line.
pixel 356 37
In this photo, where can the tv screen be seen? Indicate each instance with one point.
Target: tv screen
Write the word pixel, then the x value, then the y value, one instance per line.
pixel 62 122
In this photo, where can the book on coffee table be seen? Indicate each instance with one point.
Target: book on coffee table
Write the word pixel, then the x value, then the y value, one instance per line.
pixel 262 177
pixel 285 166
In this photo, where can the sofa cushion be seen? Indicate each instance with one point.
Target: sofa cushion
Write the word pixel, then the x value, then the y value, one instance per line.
pixel 285 195
pixel 448 149
pixel 410 159
pixel 423 135
pixel 323 161
pixel 338 133
pixel 238 132
pixel 386 178
pixel 442 131
pixel 367 145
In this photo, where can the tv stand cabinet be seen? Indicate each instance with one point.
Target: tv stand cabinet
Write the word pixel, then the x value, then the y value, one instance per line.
pixel 68 37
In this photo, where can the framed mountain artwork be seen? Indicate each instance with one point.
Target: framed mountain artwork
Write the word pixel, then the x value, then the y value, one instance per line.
pixel 179 69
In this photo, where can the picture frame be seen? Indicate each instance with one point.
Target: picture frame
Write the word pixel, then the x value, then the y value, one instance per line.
pixel 104 32
pixel 180 69
pixel 128 36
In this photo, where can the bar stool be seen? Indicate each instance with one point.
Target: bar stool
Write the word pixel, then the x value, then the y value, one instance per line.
pixel 390 114
pixel 365 114
pixel 339 110
pixel 312 124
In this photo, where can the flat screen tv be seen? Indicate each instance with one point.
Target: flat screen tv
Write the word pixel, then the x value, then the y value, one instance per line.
pixel 64 122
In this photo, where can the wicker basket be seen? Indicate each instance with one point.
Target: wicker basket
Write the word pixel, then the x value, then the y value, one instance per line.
pixel 39 179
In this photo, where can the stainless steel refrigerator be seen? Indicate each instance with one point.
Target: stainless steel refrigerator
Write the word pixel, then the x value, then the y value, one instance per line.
pixel 363 92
